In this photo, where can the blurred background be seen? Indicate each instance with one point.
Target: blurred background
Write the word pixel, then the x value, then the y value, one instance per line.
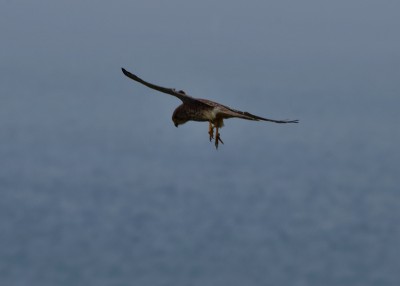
pixel 97 186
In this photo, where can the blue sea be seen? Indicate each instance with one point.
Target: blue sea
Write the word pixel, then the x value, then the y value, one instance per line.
pixel 98 191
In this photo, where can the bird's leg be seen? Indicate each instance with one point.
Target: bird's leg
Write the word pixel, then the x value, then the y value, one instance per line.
pixel 211 130
pixel 217 138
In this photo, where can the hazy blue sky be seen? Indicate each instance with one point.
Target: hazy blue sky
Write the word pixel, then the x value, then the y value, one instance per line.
pixel 98 186
pixel 333 64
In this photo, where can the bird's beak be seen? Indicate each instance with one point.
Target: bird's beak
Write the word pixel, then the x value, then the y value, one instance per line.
pixel 176 125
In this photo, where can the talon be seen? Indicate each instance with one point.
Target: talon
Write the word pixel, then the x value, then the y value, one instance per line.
pixel 211 135
pixel 211 131
pixel 217 140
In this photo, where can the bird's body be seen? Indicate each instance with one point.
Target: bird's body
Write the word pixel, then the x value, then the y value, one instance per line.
pixel 197 109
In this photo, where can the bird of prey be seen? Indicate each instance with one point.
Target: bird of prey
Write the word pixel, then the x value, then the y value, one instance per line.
pixel 197 109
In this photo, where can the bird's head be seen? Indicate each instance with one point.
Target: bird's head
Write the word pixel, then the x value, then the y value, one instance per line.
pixel 179 116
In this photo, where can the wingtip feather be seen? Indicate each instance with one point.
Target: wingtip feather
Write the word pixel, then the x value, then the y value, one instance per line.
pixel 124 71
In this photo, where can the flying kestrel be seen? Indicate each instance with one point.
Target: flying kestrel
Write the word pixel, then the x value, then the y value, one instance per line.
pixel 197 109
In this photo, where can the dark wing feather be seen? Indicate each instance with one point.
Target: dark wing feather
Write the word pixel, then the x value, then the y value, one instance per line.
pixel 227 112
pixel 255 117
pixel 249 116
pixel 182 96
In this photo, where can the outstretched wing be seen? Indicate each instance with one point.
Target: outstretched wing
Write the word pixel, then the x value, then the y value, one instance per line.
pixel 249 116
pixel 179 94
pixel 227 112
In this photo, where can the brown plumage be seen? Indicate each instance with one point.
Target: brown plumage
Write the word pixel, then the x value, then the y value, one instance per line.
pixel 197 109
